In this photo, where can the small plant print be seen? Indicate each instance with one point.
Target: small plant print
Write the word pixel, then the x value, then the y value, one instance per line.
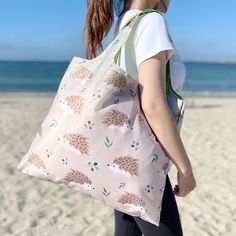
pixel 107 142
pixel 47 153
pixel 105 192
pixel 135 145
pixel 148 188
pixel 97 94
pixel 89 124
pixel 117 101
pixel 122 185
pixel 63 86
pixel 161 190
pixel 132 93
pixel 83 61
pixel 141 119
pixel 93 166
pixel 54 123
pixel 155 158
pixel 157 218
pixel 64 161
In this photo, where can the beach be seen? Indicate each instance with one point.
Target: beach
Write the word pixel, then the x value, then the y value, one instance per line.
pixel 30 206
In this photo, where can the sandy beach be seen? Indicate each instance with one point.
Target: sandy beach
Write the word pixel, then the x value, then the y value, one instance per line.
pixel 30 206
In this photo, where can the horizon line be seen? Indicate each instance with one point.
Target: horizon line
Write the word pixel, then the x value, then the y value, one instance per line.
pixel 68 60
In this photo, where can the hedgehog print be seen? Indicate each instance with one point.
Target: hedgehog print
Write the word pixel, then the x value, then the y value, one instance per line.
pixel 133 200
pixel 37 163
pixel 117 120
pixel 73 104
pixel 117 79
pixel 83 75
pixel 75 142
pixel 79 178
pixel 125 165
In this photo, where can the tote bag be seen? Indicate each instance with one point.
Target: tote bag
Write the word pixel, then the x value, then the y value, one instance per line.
pixel 96 140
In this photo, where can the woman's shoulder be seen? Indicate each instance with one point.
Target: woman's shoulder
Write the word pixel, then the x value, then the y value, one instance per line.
pixel 153 26
pixel 153 19
pixel 155 15
pixel 152 36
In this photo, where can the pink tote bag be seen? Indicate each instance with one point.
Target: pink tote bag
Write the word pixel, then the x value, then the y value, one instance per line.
pixel 96 140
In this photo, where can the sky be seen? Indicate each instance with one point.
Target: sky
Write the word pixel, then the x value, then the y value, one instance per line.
pixel 46 30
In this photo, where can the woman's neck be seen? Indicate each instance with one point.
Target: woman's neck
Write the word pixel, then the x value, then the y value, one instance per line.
pixel 136 5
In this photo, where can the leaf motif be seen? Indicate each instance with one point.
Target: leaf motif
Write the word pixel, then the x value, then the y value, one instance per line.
pixel 132 93
pixel 155 158
pixel 107 142
pixel 117 101
pixel 105 192
pixel 122 184
pixel 54 123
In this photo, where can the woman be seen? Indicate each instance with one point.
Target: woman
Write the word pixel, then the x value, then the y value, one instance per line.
pixel 152 48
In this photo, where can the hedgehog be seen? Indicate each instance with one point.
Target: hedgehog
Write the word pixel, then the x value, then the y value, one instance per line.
pixel 116 119
pixel 83 74
pixel 75 142
pixel 132 200
pixel 78 177
pixel 125 165
pixel 117 79
pixel 37 163
pixel 73 104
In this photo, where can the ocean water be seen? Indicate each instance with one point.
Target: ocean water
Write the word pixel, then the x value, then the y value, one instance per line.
pixel 45 76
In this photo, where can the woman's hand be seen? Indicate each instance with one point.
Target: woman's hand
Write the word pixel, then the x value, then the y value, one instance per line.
pixel 186 183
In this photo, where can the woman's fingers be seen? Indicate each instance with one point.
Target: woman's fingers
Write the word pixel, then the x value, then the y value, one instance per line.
pixel 185 185
pixel 179 193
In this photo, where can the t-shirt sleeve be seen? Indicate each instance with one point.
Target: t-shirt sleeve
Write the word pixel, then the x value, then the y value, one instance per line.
pixel 150 37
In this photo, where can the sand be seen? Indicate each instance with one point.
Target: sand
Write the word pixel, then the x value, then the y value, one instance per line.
pixel 29 206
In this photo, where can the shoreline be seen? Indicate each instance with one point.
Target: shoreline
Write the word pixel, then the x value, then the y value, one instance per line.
pixel 184 94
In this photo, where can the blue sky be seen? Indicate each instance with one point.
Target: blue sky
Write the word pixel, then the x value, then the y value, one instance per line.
pixel 203 30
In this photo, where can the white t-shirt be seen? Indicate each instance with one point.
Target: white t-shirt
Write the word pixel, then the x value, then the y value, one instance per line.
pixel 150 37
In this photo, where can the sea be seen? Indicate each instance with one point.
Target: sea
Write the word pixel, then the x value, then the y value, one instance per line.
pixel 38 76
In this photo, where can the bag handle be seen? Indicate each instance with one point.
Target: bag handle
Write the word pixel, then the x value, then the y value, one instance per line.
pixel 136 19
pixel 169 89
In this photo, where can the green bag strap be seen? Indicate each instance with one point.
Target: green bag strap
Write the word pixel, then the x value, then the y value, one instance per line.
pixel 139 16
pixel 169 90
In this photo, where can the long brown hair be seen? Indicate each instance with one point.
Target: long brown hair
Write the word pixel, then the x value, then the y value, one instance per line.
pixel 98 22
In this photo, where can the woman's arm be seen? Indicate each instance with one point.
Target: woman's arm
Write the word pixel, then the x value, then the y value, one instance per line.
pixel 152 87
